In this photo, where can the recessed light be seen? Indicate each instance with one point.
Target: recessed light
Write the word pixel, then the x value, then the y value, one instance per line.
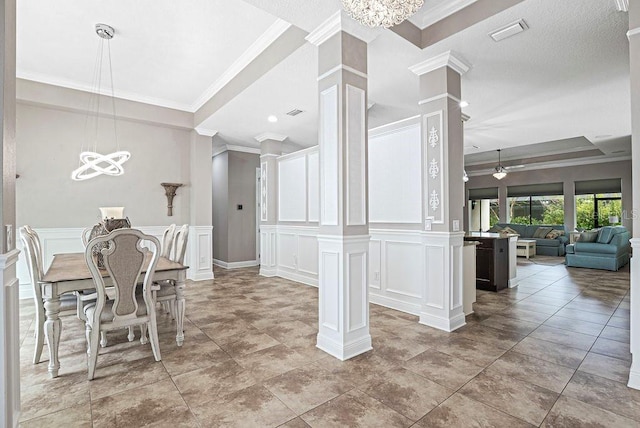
pixel 509 30
pixel 464 104
pixel 272 118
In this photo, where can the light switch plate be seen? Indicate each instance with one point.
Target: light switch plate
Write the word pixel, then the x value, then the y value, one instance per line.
pixel 456 225
pixel 427 224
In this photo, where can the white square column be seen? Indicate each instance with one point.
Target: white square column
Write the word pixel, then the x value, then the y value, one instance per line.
pixel 443 190
pixel 343 238
pixel 270 150
pixel 634 62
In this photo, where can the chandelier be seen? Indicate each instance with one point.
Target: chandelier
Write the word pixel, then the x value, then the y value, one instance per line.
pixel 92 163
pixel 501 172
pixel 381 13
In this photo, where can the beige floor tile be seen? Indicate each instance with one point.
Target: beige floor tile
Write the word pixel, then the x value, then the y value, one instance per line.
pixel 159 402
pixel 251 407
pixel 572 413
pixel 54 395
pixel 410 395
pixel 121 377
pixel 612 348
pixel 578 326
pixel 77 417
pixel 604 393
pixel 615 333
pixel 462 412
pixel 564 337
pixel 517 398
pixel 533 370
pixel 607 367
pixel 354 409
pixel 443 369
pixel 271 362
pixel 304 388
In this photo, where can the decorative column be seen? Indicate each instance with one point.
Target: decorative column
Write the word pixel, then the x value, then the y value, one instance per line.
pixel 634 63
pixel 343 235
pixel 443 189
pixel 270 150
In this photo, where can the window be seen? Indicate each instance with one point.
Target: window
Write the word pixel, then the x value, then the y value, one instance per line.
pixel 597 210
pixel 483 214
pixel 598 203
pixel 484 210
pixel 541 209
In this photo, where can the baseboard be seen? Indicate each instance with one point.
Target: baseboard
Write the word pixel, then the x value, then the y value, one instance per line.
pixel 443 323
pixel 297 277
pixel 398 305
pixel 235 265
pixel 345 351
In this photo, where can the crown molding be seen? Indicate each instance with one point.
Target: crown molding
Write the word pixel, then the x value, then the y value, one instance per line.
pixel 263 42
pixel 125 95
pixel 340 21
pixel 442 11
pixel 446 59
pixel 205 132
pixel 234 148
pixel 270 136
pixel 395 126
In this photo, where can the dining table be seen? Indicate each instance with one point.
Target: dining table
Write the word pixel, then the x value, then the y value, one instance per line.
pixel 69 272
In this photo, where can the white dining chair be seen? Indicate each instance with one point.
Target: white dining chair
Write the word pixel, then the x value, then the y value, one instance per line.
pixel 68 306
pixel 124 259
pixel 165 291
pixel 168 237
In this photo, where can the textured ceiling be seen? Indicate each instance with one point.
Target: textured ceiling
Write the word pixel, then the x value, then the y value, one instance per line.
pixel 566 77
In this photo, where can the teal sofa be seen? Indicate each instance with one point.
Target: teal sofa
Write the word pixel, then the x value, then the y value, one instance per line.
pixel 544 246
pixel 611 250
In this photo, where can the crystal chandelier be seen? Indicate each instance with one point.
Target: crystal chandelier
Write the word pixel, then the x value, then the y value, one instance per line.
pixel 385 13
pixel 92 163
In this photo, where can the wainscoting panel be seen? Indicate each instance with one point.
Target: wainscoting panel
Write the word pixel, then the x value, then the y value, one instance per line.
pixel 396 269
pixel 297 250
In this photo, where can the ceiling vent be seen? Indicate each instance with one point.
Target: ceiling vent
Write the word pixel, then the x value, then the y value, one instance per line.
pixel 509 30
pixel 622 5
pixel 294 112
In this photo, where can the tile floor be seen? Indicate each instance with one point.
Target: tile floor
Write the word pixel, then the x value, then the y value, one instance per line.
pixel 552 352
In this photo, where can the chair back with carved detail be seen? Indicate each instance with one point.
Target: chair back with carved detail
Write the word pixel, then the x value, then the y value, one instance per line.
pixel 125 253
pixel 167 241
pixel 34 257
pixel 180 244
pixel 86 233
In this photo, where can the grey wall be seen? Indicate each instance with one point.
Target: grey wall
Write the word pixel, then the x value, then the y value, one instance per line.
pixel 220 198
pixel 48 143
pixel 242 190
pixel 566 175
pixel 234 183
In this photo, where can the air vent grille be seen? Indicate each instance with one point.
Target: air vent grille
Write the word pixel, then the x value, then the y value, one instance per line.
pixel 295 112
pixel 509 30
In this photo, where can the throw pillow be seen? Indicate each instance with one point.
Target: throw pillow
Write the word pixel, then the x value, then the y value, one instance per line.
pixel 509 230
pixel 552 235
pixel 588 236
pixel 555 233
pixel 541 232
pixel 495 229
pixel 605 235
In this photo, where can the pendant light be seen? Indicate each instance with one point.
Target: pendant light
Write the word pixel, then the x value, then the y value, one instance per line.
pixel 500 171
pixel 92 163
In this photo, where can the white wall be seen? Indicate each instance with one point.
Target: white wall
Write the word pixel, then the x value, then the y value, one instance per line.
pixel 395 165
pixel 299 186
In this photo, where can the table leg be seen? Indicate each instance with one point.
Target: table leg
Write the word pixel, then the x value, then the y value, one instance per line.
pixel 180 305
pixel 52 330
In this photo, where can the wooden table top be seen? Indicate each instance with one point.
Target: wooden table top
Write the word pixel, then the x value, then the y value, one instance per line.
pixel 73 267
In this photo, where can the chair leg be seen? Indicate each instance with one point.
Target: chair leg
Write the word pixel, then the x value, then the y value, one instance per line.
pixel 143 334
pixel 166 308
pixel 39 333
pixel 103 339
pixel 172 308
pixel 131 334
pixel 153 336
pixel 93 335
